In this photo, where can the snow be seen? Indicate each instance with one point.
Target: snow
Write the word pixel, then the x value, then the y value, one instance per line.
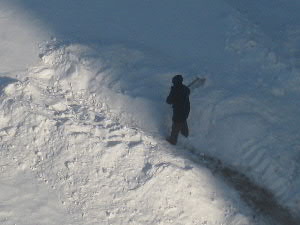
pixel 24 200
pixel 83 115
pixel 20 34
pixel 102 171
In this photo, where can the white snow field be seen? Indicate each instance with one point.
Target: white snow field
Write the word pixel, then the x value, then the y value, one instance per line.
pixel 83 115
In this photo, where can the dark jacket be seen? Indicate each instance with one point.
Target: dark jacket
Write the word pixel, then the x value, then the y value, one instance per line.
pixel 179 99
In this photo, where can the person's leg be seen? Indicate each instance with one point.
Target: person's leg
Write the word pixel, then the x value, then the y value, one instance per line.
pixel 176 127
pixel 185 129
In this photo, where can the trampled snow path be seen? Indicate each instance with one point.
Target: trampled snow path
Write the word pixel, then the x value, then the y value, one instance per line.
pixel 101 171
pixel 260 199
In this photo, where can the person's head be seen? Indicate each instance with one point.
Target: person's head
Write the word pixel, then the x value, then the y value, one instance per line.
pixel 177 80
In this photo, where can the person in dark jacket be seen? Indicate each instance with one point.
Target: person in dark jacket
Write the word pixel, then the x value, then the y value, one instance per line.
pixel 179 99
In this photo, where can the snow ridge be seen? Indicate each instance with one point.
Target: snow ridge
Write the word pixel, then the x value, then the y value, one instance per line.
pixel 251 126
pixel 102 170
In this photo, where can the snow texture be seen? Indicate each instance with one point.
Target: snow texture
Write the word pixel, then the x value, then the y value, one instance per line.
pixel 89 118
pixel 102 171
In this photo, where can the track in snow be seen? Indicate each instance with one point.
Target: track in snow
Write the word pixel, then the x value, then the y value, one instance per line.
pixel 259 199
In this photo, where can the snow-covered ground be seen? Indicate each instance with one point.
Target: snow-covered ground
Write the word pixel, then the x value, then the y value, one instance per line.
pixel 99 171
pixel 83 117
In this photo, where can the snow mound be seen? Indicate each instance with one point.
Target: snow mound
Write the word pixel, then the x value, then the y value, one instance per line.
pixel 60 125
pixel 251 125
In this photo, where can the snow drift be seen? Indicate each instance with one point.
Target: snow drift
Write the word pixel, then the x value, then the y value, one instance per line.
pixel 247 115
pixel 250 124
pixel 61 124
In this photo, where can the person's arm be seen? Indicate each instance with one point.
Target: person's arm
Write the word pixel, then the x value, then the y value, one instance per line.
pixel 170 98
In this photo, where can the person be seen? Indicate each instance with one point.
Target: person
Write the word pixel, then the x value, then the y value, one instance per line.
pixel 179 99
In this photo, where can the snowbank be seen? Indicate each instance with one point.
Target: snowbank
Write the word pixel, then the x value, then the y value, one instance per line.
pixel 57 128
pixel 249 124
pixel 247 115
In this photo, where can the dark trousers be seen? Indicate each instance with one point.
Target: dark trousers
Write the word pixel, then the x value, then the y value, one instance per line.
pixel 178 127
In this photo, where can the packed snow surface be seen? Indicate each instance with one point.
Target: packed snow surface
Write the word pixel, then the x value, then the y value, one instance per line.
pixel 82 128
